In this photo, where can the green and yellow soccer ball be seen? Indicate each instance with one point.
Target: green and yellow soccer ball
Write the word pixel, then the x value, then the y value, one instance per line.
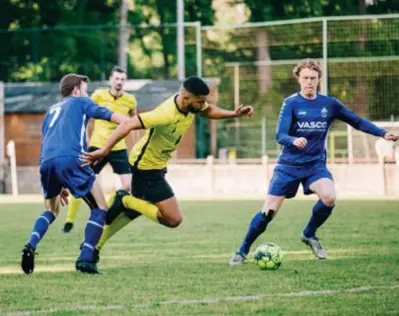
pixel 268 256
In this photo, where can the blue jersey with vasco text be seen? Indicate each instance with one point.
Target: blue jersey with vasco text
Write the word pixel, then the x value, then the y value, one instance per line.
pixel 312 119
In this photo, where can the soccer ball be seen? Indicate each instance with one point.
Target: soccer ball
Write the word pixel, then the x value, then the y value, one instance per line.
pixel 268 256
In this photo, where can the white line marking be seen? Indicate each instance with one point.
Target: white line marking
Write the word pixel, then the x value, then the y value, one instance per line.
pixel 209 300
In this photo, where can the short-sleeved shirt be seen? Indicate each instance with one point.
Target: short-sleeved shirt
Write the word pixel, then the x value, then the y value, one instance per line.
pixel 166 126
pixel 123 104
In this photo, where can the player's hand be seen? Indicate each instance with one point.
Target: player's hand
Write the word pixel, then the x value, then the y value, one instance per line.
pixel 300 142
pixel 390 136
pixel 92 158
pixel 64 197
pixel 243 110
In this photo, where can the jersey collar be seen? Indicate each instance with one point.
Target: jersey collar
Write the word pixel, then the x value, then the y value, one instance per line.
pixel 175 101
pixel 113 96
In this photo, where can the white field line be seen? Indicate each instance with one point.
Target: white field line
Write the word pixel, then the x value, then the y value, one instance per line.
pixel 206 300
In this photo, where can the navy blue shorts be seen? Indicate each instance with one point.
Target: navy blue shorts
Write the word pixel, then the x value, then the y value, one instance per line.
pixel 286 178
pixel 66 172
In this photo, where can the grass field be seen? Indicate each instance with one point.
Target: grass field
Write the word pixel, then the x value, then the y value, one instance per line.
pixel 152 270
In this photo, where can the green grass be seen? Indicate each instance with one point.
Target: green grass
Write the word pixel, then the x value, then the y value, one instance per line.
pixel 146 264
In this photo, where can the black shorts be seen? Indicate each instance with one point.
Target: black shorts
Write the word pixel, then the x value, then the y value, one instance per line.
pixel 150 185
pixel 118 159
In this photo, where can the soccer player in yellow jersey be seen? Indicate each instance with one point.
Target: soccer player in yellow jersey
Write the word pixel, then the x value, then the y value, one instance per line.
pixel 116 100
pixel 151 194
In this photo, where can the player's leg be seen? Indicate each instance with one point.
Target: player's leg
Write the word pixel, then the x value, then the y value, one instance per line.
pixel 119 161
pixel 322 184
pixel 74 203
pixel 284 184
pixel 51 189
pixel 95 199
pixel 151 196
pixel 257 226
pixel 72 212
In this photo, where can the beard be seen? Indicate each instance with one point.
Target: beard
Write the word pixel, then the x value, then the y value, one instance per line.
pixel 118 87
pixel 193 109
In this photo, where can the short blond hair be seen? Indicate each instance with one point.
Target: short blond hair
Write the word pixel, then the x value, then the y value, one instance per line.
pixel 307 63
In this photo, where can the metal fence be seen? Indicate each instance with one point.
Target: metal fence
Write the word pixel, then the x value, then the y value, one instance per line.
pixel 360 55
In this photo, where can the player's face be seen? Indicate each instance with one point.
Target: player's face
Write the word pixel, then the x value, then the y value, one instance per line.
pixel 117 80
pixel 195 104
pixel 309 80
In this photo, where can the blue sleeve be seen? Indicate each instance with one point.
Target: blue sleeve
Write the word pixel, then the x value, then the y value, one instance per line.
pixel 356 121
pixel 94 111
pixel 284 125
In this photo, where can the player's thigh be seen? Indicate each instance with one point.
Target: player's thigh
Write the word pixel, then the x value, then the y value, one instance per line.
pixel 50 182
pixel 284 182
pixel 81 181
pixel 170 211
pixel 119 161
pixel 325 190
pixel 273 203
pixel 101 164
pixel 53 205
pixel 126 180
pixel 151 185
pixel 95 197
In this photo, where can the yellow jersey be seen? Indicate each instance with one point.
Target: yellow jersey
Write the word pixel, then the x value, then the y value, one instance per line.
pixel 166 126
pixel 124 104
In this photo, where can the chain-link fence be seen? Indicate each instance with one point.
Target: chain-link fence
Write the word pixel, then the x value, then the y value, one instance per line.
pixel 360 56
pixel 254 61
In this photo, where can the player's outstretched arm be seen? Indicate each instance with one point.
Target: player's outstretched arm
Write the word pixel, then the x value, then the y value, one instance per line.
pixel 217 113
pixel 121 132
pixel 362 124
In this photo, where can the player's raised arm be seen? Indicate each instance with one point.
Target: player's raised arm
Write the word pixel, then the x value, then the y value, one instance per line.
pixel 362 124
pixel 217 113
pixel 284 125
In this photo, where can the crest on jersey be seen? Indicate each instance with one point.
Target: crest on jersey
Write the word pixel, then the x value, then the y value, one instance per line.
pixel 324 112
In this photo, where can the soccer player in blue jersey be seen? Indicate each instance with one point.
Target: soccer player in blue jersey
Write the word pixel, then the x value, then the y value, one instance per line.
pixel 304 121
pixel 63 140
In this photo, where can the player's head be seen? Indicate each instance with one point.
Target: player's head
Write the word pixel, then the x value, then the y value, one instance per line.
pixel 117 78
pixel 308 73
pixel 74 85
pixel 193 92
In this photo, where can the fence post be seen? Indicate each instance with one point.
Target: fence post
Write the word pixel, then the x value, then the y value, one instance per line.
pixel 210 166
pixel 325 56
pixel 264 137
pixel 350 144
pixel 198 47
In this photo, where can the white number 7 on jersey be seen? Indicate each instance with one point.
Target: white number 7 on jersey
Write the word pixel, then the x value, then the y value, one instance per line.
pixel 57 110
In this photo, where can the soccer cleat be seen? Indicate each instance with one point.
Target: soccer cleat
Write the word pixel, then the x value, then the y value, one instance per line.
pixel 237 259
pixel 67 227
pixel 87 267
pixel 317 248
pixel 28 259
pixel 116 207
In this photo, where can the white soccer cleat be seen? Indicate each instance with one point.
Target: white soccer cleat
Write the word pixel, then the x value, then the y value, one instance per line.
pixel 237 259
pixel 315 245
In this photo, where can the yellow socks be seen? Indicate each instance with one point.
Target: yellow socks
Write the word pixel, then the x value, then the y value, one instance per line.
pixel 148 209
pixel 109 230
pixel 73 209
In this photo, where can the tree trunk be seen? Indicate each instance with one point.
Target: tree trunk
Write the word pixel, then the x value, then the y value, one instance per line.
pixel 264 67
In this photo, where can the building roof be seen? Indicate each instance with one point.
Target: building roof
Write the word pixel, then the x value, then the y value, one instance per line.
pixel 38 97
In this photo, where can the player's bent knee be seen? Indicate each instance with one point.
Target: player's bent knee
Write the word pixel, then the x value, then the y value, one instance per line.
pixel 328 200
pixel 171 222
